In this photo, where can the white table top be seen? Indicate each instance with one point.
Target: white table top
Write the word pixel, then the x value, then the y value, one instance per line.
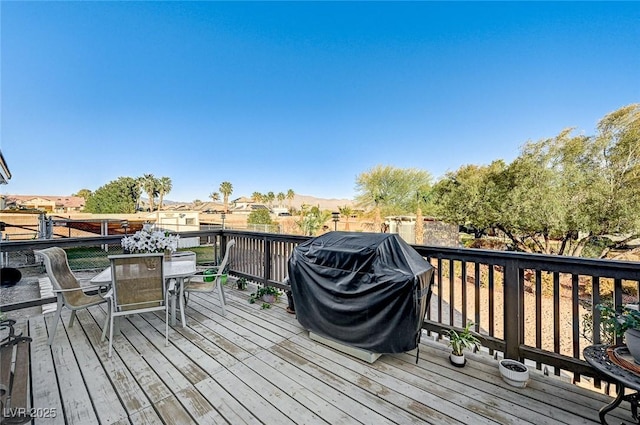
pixel 172 269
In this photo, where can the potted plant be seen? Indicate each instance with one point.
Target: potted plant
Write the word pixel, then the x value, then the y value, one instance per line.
pixel 268 294
pixel 241 283
pixel 458 341
pixel 623 322
pixel 514 373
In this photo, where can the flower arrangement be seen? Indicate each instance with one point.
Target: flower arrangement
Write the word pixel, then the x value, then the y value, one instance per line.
pixel 149 240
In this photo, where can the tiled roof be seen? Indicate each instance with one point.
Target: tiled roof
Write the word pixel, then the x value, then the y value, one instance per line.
pixel 61 201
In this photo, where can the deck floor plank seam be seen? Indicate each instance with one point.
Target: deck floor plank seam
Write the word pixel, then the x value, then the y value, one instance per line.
pixel 259 367
pixel 76 401
pixel 359 372
pixel 341 400
pixel 44 384
pixel 550 389
pixel 128 370
pixel 383 401
pixel 280 400
pixel 506 399
pixel 104 398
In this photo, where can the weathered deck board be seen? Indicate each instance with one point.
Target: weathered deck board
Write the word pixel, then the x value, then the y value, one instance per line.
pixel 257 366
pixel 43 376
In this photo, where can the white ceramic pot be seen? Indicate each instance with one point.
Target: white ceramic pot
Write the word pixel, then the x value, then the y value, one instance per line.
pixel 632 339
pixel 514 373
pixel 457 361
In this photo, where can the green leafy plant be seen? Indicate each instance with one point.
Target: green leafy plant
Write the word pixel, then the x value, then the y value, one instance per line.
pixel 615 322
pixel 459 340
pixel 241 283
pixel 264 290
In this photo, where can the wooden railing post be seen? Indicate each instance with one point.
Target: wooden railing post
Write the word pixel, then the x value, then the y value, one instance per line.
pixel 267 261
pixel 512 311
pixel 222 248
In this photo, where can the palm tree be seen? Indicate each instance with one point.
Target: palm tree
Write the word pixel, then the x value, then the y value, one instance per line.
pixel 281 196
pixel 346 212
pixel 164 187
pixel 270 197
pixel 150 185
pixel 226 188
pixel 312 219
pixel 257 197
pixel 138 189
pixel 290 195
pixel 215 196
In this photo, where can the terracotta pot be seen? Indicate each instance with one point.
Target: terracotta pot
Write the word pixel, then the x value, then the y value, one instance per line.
pixel 632 339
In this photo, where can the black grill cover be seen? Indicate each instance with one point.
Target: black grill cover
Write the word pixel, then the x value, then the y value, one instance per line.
pixel 367 290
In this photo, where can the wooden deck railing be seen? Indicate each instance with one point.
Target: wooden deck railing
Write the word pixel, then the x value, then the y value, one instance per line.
pixel 526 306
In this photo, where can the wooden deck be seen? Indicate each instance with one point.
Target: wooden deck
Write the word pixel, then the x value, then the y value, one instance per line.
pixel 257 366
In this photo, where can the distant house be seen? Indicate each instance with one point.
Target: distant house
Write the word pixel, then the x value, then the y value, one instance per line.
pixel 242 203
pixel 245 205
pixel 209 207
pixel 50 204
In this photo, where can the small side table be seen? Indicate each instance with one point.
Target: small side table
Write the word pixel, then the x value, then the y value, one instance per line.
pixel 598 358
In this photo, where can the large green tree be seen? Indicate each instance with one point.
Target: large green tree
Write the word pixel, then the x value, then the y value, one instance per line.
pixel 468 197
pixel 560 194
pixel 117 196
pixel 389 190
pixel 260 216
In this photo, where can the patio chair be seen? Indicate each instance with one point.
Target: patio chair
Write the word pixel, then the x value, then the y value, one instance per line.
pixel 199 284
pixel 65 286
pixel 137 286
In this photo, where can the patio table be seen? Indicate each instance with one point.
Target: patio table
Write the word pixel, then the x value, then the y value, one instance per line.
pixel 598 356
pixel 180 266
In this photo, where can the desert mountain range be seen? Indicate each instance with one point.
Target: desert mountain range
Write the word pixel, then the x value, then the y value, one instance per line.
pixel 298 200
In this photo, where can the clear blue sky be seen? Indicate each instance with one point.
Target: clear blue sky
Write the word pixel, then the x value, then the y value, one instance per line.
pixel 302 96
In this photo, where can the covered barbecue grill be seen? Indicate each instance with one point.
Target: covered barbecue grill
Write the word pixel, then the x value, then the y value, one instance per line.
pixel 366 290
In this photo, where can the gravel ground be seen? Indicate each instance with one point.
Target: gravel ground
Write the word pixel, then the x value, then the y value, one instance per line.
pixel 547 316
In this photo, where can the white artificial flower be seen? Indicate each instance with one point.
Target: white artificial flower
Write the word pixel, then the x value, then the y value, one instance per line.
pixel 149 240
